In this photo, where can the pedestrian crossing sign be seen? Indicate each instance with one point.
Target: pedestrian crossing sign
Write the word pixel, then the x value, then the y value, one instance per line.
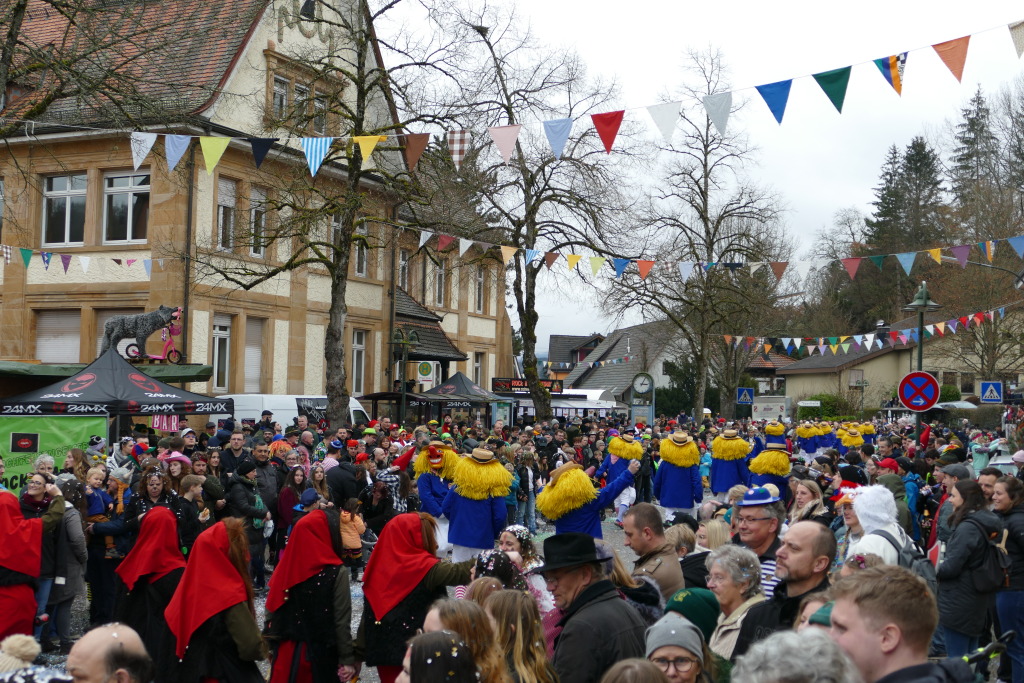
pixel 745 396
pixel 991 392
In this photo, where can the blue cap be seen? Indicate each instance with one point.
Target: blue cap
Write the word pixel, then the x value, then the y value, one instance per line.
pixel 309 496
pixel 758 495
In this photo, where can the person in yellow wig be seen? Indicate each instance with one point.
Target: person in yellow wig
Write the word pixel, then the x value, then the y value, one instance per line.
pixel 728 462
pixel 573 504
pixel 434 467
pixel 621 448
pixel 475 506
pixel 771 466
pixel 851 439
pixel 677 485
pixel 807 438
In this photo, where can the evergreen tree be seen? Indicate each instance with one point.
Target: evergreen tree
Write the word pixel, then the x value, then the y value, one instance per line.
pixel 923 196
pixel 974 164
pixel 884 226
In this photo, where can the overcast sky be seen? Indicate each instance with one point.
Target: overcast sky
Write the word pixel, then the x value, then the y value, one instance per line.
pixel 818 160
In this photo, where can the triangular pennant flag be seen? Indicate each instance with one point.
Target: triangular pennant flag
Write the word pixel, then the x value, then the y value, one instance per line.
pixel 936 255
pixel 718 107
pixel 767 348
pixel 894 334
pixel 892 69
pixel 951 324
pixel 869 340
pixel 778 268
pixel 858 339
pixel 443 241
pixel 727 338
pixel 425 236
pixel 607 126
pixel 415 143
pixel 505 139
pixel 531 254
pixel 260 147
pixel 464 245
pixel 367 143
pixel 906 260
pixel 979 318
pixel 644 267
pixel 776 95
pixel 991 315
pixel 834 84
pixel 141 143
pixel 213 148
pixel 8 251
pixel 458 145
pixel 708 266
pixel 953 54
pixel 665 117
pixel 929 329
pixel 84 261
pixel 316 150
pixel 26 256
pixel 988 249
pixel 117 261
pixel 797 341
pixel 821 349
pixel 1002 312
pixel 845 347
pixel 755 266
pixel 685 270
pixel 550 258
pixel 175 147
pixel 557 132
pixel 507 253
pixel 834 348
pixel 802 268
pixel 572 260
pixel 148 265
pixel 65 260
pixel 1017 35
pixel 878 260
pixel 833 340
pixel 851 265
pixel 965 322
pixel 903 339
pixel 620 266
pixel 595 263
pixel 940 328
pixel 1018 245
pixel 128 263
pixel 46 256
pixel 961 253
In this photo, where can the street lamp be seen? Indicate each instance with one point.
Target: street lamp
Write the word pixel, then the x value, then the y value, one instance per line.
pixel 404 340
pixel 921 303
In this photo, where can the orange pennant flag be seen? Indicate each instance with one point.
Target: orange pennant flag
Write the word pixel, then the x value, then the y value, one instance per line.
pixel 936 254
pixel 644 267
pixel 727 338
pixel 941 329
pixel 953 54
pixel 507 253
pixel 778 267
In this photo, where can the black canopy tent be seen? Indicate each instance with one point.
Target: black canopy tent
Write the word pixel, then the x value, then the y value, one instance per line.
pixel 112 386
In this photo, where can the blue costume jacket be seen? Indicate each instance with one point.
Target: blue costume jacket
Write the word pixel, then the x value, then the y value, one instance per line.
pixel 433 490
pixel 474 523
pixel 782 483
pixel 587 519
pixel 727 473
pixel 613 470
pixel 678 487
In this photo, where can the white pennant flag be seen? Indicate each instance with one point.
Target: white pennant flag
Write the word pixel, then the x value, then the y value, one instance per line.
pixel 719 106
pixel 141 144
pixel 869 340
pixel 665 117
pixel 425 237
pixel 505 139
pixel 84 262
pixel 755 266
pixel 798 341
pixel 802 268
pixel 464 245
pixel 1017 35
pixel 685 269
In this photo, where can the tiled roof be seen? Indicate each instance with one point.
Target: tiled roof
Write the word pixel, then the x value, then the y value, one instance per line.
pixel 771 361
pixel 163 59
pixel 406 306
pixel 642 343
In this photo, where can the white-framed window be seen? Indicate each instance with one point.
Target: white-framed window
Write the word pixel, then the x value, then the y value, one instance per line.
pixel 403 269
pixel 478 368
pixel 335 227
pixel 253 354
pixel 105 314
pixel 221 351
pixel 441 282
pixel 301 102
pixel 320 115
pixel 58 336
pixel 257 221
pixel 280 97
pixel 227 198
pixel 481 288
pixel 125 207
pixel 64 209
pixel 358 360
pixel 362 255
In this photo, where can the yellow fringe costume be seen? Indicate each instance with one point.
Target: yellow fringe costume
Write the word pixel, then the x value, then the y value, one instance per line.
pixel 686 455
pixel 867 428
pixel 824 429
pixel 478 481
pixel 447 469
pixel 570 490
pixel 775 429
pixel 853 441
pixel 807 432
pixel 621 448
pixel 771 462
pixel 729 449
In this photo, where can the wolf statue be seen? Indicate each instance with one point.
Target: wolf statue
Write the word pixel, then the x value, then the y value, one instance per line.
pixel 140 326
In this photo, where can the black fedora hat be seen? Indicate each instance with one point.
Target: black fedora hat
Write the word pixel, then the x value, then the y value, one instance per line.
pixel 568 550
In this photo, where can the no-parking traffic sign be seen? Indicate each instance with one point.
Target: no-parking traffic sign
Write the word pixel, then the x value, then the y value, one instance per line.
pixel 918 391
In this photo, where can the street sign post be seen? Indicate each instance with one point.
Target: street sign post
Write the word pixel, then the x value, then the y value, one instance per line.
pixel 991 392
pixel 918 391
pixel 744 396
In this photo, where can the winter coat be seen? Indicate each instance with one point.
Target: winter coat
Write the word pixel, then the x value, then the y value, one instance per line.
pixel 727 473
pixel 433 490
pixel 1013 520
pixel 74 537
pixel 775 614
pixel 244 501
pixel 587 518
pixel 961 607
pixel 269 480
pixel 474 523
pixel 727 631
pixel 678 487
pixel 662 565
pixel 341 480
pixel 598 616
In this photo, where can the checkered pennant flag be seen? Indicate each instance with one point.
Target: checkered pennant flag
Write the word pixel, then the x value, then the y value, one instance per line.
pixel 458 145
pixel 7 254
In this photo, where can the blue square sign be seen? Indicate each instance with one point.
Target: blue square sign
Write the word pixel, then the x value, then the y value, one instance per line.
pixel 745 396
pixel 991 392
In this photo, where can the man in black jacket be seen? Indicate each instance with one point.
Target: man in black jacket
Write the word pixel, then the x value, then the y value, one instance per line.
pixel 599 628
pixel 803 561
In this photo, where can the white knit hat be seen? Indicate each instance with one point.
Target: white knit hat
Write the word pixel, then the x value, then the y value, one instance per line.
pixel 17 652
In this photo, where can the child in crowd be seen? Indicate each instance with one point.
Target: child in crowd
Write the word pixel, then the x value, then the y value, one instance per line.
pixel 352 528
pixel 99 505
pixel 195 516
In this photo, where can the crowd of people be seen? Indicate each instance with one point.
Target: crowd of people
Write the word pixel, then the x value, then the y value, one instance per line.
pixel 827 551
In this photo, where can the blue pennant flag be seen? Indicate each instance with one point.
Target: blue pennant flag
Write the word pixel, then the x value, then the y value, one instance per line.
pixel 1018 245
pixel 776 95
pixel 531 254
pixel 315 150
pixel 175 147
pixel 906 260
pixel 620 265
pixel 558 131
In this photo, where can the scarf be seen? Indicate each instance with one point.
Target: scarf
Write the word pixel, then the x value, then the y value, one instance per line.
pixel 156 552
pixel 309 551
pixel 22 548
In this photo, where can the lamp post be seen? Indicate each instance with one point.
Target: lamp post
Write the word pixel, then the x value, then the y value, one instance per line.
pixel 921 303
pixel 404 341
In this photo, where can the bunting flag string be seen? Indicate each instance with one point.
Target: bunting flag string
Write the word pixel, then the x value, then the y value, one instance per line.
pixel 559 365
pixel 46 257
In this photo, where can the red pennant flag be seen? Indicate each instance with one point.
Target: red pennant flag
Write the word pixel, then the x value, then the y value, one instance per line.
pixel 953 54
pixel 644 267
pixel 607 126
pixel 965 322
pixel 894 335
pixel 851 265
pixel 550 258
pixel 778 267
pixel 979 318
pixel 443 241
pixel 415 143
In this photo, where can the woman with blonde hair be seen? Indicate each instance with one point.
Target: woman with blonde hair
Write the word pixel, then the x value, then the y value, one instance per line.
pixel 809 504
pixel 519 635
pixel 712 534
pixel 470 622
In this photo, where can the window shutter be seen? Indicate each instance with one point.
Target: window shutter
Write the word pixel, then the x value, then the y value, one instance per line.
pixel 58 336
pixel 253 354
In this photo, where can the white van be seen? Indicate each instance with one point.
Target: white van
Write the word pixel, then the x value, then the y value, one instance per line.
pixel 285 408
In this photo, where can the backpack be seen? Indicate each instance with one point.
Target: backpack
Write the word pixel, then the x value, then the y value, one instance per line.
pixel 994 571
pixel 910 557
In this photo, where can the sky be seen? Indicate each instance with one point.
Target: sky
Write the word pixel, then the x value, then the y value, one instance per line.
pixel 818 160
